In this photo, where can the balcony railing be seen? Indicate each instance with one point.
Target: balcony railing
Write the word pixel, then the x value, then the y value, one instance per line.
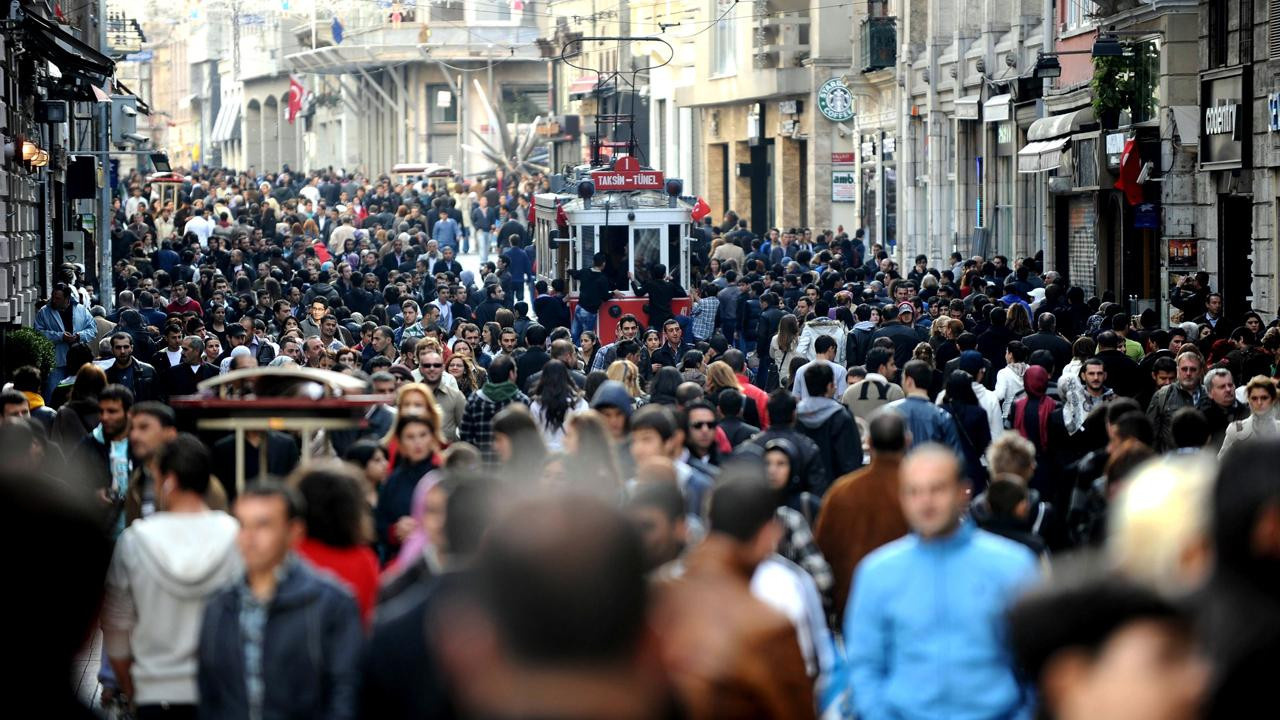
pixel 879 40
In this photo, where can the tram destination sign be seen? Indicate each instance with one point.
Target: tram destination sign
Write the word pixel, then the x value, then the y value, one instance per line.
pixel 627 175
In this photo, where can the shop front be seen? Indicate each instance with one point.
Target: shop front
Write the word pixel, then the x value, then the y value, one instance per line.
pixel 1225 154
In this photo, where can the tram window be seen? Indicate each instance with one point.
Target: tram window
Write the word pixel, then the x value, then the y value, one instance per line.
pixel 648 251
pixel 613 243
pixel 674 233
pixel 586 248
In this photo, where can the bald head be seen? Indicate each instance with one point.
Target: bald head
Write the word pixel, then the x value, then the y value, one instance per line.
pixel 934 494
pixel 888 431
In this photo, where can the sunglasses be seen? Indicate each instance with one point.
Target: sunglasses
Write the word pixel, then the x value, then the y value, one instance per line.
pixel 431 365
pixel 702 425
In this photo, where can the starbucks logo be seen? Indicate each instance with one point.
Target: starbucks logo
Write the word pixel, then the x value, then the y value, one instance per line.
pixel 835 101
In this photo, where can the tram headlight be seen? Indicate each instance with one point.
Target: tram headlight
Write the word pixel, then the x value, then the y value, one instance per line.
pixel 586 189
pixel 675 186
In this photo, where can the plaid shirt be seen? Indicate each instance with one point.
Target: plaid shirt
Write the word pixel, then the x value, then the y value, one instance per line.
pixel 253 623
pixel 798 546
pixel 704 317
pixel 477 422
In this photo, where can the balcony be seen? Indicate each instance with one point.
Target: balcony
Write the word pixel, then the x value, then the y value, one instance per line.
pixel 878 38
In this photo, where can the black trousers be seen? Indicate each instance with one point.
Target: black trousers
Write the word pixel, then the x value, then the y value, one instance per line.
pixel 166 711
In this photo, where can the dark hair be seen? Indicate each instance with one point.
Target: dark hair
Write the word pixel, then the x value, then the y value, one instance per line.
pixel 781 406
pixel 818 377
pixel 518 425
pixel 663 497
pixel 1165 365
pixel 295 507
pixel 878 357
pixel 469 511
pixel 1003 497
pixel 823 343
pixel 1120 407
pixel 27 379
pixel 361 452
pixel 566 584
pixel 158 410
pixel 688 392
pixel 116 391
pixel 919 372
pixel 741 507
pixel 1190 428
pixel 556 392
pixel 1136 425
pixel 1017 350
pixel 735 359
pixel 960 389
pixel 658 418
pixel 730 402
pixel 663 386
pixel 189 460
pixel 888 432
pixel 335 505
pixel 501 368
pixel 12 397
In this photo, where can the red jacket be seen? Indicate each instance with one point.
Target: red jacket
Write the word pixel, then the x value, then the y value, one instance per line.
pixel 760 397
pixel 355 567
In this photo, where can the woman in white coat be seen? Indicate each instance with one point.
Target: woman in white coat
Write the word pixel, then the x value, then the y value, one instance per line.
pixel 1261 392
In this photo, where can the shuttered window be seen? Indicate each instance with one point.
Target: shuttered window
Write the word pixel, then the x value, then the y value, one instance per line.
pixel 1273 29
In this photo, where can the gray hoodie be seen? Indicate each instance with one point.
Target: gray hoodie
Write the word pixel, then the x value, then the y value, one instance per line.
pixel 163 571
pixel 812 412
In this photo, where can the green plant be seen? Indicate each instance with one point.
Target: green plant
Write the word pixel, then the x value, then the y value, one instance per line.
pixel 1112 84
pixel 26 346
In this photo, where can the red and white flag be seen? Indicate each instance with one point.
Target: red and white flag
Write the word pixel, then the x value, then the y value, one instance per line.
pixel 296 93
pixel 700 210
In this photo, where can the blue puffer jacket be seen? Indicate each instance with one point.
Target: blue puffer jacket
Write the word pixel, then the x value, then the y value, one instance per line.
pixel 311 651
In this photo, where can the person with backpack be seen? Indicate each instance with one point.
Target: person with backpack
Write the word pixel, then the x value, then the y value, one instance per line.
pixel 875 390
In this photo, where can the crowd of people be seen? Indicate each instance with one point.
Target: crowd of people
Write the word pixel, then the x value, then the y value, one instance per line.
pixel 833 487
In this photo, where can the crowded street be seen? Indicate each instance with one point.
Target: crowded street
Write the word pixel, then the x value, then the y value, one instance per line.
pixel 636 402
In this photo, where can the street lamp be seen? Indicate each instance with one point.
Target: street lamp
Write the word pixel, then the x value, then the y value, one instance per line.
pixel 1047 66
pixel 1107 46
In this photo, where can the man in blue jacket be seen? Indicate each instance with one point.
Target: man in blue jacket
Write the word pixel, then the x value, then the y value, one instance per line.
pixel 926 612
pixel 64 323
pixel 282 641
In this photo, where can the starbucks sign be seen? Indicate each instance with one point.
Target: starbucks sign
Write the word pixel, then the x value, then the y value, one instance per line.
pixel 835 101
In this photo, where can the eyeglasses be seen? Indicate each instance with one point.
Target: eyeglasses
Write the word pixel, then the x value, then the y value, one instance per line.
pixel 708 425
pixel 431 365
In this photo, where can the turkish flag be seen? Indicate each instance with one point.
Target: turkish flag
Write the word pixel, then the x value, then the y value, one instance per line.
pixel 1130 167
pixel 295 99
pixel 700 210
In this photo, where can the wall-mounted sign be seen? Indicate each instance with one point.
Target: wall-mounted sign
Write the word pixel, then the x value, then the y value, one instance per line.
pixel 627 175
pixel 1224 125
pixel 844 186
pixel 789 107
pixel 843 158
pixel 835 101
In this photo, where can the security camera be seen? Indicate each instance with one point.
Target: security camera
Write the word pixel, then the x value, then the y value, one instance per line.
pixel 128 110
pixel 136 138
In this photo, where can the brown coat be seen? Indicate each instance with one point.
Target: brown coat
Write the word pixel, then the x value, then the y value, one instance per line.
pixel 861 512
pixel 730 656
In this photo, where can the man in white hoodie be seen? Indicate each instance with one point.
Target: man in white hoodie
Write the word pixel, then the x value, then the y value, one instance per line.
pixel 164 569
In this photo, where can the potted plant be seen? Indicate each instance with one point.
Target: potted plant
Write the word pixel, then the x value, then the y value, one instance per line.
pixel 1113 89
pixel 26 346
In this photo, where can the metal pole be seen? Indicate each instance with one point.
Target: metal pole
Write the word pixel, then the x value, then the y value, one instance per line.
pixel 105 294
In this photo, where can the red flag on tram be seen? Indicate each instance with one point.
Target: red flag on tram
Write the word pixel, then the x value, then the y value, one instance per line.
pixel 700 209
pixel 295 99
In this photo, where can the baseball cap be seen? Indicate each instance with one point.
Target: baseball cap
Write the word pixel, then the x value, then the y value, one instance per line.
pixel 906 307
pixel 971 361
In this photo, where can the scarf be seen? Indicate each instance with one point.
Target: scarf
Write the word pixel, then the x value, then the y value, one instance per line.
pixel 1036 382
pixel 500 393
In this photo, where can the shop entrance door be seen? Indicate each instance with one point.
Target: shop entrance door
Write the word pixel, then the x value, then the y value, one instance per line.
pixel 1235 254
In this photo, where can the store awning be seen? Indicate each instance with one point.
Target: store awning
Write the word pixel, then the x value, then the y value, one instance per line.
pixel 583 85
pixel 70 54
pixel 227 122
pixel 1041 156
pixel 1186 118
pixel 1059 125
pixel 996 108
pixel 967 107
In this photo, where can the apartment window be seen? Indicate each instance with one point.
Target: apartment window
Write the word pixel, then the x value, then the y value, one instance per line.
pixel 1218 33
pixel 522 104
pixel 1078 14
pixel 1146 61
pixel 493 12
pixel 1273 29
pixel 439 114
pixel 724 39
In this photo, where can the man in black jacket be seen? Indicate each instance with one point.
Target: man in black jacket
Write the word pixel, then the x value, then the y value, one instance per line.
pixel 782 418
pixel 1047 338
pixel 128 371
pixel 593 290
pixel 304 631
pixel 550 307
pixel 828 424
pixel 183 379
pixel 1123 375
pixel 730 404
pixel 661 291
pixel 535 357
pixel 898 321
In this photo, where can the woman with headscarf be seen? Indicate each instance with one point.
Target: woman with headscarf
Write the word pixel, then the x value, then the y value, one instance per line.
pixel 972 425
pixel 1036 417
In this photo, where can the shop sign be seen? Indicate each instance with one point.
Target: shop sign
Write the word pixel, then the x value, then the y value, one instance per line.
pixel 1183 255
pixel 1224 126
pixel 788 107
pixel 1147 216
pixel 835 101
pixel 627 175
pixel 844 186
pixel 843 158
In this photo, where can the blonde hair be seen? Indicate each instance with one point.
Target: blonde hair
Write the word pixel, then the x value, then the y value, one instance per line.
pixel 1159 523
pixel 719 377
pixel 431 414
pixel 1012 454
pixel 626 372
